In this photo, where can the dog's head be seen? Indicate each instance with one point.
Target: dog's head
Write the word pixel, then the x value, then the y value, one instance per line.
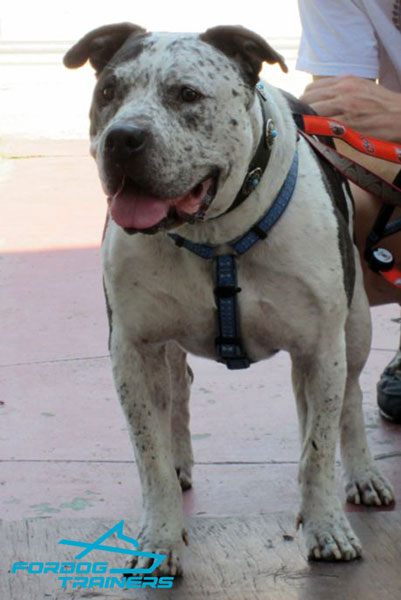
pixel 171 125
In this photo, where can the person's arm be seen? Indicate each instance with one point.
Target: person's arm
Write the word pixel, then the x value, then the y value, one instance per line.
pixel 339 48
pixel 360 103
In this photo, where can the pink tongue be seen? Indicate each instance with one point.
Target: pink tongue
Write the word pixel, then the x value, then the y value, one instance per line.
pixel 133 209
pixel 137 211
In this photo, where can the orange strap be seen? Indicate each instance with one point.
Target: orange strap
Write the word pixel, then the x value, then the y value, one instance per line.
pixel 360 164
pixel 393 276
pixel 316 125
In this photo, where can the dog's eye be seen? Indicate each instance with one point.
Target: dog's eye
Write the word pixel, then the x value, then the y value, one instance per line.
pixel 189 94
pixel 107 92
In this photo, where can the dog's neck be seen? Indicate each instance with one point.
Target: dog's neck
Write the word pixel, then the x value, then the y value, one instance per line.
pixel 220 229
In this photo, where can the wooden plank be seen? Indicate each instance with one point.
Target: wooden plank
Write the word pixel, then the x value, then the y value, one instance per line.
pixel 230 558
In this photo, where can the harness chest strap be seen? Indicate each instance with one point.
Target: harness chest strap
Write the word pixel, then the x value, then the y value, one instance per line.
pixel 229 345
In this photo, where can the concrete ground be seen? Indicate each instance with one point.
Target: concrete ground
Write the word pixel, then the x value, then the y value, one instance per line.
pixel 64 444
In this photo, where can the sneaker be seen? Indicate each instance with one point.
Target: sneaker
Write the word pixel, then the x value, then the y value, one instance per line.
pixel 389 390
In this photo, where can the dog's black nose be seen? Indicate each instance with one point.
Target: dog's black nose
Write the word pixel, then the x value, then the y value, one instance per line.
pixel 125 140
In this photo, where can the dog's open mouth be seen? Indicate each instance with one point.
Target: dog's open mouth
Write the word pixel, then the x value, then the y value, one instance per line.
pixel 135 210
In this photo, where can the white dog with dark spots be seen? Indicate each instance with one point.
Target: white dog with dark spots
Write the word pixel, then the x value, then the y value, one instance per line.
pixel 193 154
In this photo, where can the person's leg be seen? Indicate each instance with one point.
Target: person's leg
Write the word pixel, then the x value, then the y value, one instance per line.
pixel 379 291
pixel 389 390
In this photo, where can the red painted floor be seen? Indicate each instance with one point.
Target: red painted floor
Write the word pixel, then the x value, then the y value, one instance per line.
pixel 64 445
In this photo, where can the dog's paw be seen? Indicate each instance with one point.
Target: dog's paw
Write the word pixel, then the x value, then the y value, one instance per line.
pixel 331 538
pixel 171 565
pixel 369 487
pixel 184 475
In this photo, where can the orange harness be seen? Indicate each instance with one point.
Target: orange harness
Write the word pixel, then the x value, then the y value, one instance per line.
pixel 372 164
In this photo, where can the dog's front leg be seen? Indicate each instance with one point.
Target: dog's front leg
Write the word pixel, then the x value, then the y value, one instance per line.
pixel 142 380
pixel 320 388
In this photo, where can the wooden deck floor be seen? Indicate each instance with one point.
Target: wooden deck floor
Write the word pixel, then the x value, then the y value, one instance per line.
pixel 255 558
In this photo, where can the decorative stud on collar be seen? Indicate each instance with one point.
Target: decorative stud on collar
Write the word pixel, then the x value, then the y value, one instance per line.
pixel 271 133
pixel 252 180
pixel 270 129
pixel 261 90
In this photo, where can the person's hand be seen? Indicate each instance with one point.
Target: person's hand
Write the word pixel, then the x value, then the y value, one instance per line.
pixel 360 103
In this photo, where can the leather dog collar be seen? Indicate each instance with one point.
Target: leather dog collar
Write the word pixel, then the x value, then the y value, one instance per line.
pixel 261 157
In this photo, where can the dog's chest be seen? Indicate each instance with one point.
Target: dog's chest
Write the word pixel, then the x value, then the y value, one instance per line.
pixel 172 298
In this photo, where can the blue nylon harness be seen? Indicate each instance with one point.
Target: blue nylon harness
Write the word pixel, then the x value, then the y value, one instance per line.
pixel 229 346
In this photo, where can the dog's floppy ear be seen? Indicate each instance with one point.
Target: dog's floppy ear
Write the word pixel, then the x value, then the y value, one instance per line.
pixel 100 45
pixel 247 47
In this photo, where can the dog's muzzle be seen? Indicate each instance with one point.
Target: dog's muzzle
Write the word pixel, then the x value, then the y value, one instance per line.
pixel 132 203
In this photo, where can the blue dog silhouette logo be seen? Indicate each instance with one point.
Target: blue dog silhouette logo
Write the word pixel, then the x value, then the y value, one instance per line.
pixel 98 545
